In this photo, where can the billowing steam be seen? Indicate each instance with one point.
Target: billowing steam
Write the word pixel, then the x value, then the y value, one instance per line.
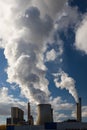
pixel 63 81
pixel 25 54
pixel 25 26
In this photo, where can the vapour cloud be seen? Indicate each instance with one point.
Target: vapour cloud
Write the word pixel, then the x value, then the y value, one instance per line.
pixel 51 55
pixel 63 81
pixel 49 6
pixel 26 27
pixel 24 39
pixel 81 36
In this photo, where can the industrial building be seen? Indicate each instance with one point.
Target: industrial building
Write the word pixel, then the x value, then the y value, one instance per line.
pixel 45 120
pixel 17 115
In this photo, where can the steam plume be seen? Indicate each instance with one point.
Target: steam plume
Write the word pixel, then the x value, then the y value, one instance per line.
pixel 26 27
pixel 63 81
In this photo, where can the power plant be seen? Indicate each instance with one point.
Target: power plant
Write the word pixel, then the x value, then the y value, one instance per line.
pixel 17 116
pixel 44 119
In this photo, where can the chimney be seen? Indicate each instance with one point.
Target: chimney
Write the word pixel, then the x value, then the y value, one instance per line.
pixel 29 116
pixel 28 110
pixel 79 118
pixel 45 114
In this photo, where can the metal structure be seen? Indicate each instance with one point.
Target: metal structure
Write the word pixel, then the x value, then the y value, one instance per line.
pixel 45 114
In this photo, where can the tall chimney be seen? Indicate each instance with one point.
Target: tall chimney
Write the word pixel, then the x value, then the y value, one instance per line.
pixel 79 118
pixel 28 110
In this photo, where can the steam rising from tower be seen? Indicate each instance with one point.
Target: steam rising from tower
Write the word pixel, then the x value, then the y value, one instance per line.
pixel 26 27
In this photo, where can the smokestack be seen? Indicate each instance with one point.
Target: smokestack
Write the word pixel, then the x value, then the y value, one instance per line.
pixel 30 117
pixel 28 111
pixel 45 114
pixel 79 118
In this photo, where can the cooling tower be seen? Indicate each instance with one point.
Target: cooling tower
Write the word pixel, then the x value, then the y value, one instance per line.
pixel 79 118
pixel 45 114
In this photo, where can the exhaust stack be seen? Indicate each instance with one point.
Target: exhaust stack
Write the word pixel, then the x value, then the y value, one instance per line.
pixel 79 118
pixel 29 116
pixel 28 111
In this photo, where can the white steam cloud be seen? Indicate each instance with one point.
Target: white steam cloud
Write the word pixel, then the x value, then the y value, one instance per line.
pixel 25 28
pixel 51 55
pixel 63 81
pixel 81 36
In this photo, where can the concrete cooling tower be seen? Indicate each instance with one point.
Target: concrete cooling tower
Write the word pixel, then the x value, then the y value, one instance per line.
pixel 45 114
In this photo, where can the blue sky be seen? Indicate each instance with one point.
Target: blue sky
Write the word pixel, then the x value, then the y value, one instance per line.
pixel 43 56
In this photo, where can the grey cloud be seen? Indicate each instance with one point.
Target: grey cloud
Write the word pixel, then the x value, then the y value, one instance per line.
pixel 68 17
pixel 49 6
pixel 7 101
pixel 38 26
